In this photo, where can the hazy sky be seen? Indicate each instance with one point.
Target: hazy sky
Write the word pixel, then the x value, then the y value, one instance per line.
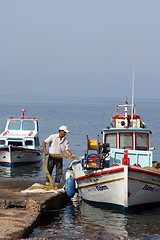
pixel 79 48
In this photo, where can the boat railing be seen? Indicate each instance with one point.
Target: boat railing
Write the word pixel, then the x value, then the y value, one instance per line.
pixel 143 158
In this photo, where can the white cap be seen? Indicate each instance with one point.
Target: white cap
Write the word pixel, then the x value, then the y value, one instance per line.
pixel 64 128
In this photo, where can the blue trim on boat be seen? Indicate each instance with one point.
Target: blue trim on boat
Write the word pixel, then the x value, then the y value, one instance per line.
pixel 7 164
pixel 75 162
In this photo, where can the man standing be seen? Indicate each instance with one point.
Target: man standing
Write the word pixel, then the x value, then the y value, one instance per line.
pixel 58 144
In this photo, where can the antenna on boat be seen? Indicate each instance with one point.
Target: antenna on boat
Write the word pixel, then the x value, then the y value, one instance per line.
pixel 23 111
pixel 133 76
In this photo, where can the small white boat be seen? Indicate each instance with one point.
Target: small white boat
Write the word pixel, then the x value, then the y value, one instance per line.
pixel 19 142
pixel 119 170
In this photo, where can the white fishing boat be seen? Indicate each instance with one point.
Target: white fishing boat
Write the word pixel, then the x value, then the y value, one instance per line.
pixel 119 170
pixel 19 142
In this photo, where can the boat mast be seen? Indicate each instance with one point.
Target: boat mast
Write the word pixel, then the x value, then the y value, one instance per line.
pixel 133 77
pixel 125 110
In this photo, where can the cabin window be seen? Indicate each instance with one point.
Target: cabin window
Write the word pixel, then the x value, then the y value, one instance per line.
pixel 14 125
pixel 28 142
pixel 28 125
pixel 2 142
pixel 111 139
pixel 15 143
pixel 125 140
pixel 141 141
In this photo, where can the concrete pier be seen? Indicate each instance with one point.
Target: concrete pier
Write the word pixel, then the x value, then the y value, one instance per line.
pixel 21 212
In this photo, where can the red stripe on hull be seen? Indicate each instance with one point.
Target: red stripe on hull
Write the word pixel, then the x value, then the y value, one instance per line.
pixel 144 171
pixel 101 173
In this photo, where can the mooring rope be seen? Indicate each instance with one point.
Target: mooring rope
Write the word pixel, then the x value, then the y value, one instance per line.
pixel 51 185
pixel 46 169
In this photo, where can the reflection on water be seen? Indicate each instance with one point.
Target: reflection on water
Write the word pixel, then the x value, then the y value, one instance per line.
pixel 31 170
pixel 135 223
pixel 80 220
pixel 110 223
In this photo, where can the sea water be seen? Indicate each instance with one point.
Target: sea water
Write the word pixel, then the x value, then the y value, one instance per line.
pixel 84 116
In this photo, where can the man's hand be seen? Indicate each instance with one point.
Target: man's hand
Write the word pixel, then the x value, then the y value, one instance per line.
pixel 46 152
pixel 70 154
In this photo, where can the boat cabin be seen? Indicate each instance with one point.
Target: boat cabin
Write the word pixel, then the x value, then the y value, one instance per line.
pixel 21 132
pixel 128 132
pixel 131 138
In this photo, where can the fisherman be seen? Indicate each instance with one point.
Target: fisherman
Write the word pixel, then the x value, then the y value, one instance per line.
pixel 58 144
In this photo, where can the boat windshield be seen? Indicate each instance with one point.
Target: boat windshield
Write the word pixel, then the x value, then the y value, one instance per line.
pixel 28 125
pixel 111 139
pixel 141 141
pixel 126 140
pixel 14 125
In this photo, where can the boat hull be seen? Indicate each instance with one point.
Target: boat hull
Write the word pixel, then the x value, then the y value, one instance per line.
pixel 13 156
pixel 143 186
pixel 119 185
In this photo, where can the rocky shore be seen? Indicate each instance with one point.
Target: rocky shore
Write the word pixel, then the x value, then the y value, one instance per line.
pixel 21 212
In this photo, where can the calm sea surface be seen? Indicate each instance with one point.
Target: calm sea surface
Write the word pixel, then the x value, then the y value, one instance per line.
pixel 84 116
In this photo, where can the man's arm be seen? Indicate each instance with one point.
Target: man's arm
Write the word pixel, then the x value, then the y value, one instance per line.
pixel 69 153
pixel 44 148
